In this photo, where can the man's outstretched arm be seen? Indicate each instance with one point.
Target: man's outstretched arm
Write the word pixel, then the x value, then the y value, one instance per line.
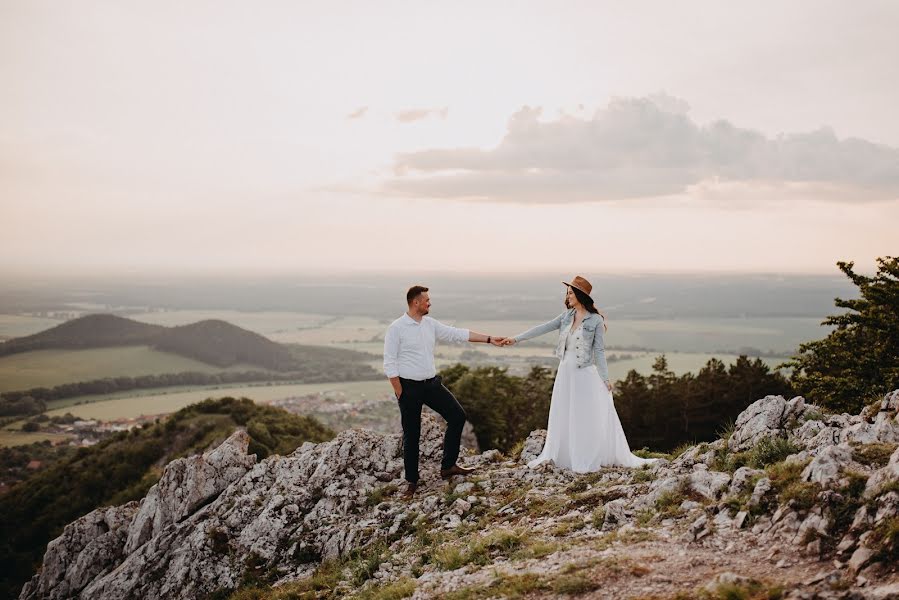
pixel 474 336
pixel 446 333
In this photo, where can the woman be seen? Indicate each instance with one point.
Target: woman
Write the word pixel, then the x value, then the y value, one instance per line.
pixel 584 432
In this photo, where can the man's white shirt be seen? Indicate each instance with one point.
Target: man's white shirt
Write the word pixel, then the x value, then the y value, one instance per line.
pixel 409 346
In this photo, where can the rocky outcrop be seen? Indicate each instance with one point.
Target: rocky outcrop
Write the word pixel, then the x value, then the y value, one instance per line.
pixel 186 485
pixel 88 549
pixel 772 416
pixel 214 520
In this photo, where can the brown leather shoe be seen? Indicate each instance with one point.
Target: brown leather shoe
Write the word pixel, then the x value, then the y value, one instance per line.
pixel 455 470
pixel 410 491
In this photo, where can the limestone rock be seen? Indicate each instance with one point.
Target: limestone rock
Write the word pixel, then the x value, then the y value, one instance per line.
pixel 761 489
pixel 767 417
pixel 88 548
pixel 829 464
pixel 741 478
pixel 709 483
pixel 188 483
pixel 882 477
pixel 533 445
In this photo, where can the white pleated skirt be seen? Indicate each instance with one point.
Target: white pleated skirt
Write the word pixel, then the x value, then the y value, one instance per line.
pixel 584 432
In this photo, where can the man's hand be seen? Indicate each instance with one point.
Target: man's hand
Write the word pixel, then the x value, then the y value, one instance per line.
pixel 497 341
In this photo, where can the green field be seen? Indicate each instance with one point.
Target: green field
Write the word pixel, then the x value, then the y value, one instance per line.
pixel 155 402
pixel 20 438
pixel 47 368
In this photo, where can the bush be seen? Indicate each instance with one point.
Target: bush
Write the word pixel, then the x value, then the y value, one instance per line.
pixel 503 409
pixel 857 362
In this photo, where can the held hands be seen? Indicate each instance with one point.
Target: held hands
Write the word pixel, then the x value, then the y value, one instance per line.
pixel 501 341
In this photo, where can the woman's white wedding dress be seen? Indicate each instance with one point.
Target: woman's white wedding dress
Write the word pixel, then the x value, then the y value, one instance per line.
pixel 584 432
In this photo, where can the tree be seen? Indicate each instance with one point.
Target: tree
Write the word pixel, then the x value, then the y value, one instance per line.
pixel 859 360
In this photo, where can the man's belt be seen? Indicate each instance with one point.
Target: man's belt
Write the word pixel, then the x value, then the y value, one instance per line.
pixel 431 380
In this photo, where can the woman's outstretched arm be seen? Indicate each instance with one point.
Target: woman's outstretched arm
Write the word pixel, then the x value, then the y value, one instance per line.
pixel 539 330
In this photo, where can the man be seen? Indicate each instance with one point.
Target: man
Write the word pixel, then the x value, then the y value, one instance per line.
pixel 409 366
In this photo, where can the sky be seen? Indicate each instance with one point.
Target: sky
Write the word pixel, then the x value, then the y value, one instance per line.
pixel 481 137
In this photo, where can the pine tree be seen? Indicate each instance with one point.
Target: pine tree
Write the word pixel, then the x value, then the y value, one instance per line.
pixel 857 362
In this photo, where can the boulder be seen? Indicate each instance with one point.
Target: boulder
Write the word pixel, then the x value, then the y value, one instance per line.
pixel 767 417
pixel 883 477
pixel 533 445
pixel 829 464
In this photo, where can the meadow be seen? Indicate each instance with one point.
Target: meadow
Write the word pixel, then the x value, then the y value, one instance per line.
pixel 99 407
pixel 47 368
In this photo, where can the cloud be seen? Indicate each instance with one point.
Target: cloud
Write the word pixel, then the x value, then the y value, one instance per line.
pixel 358 113
pixel 640 147
pixel 417 114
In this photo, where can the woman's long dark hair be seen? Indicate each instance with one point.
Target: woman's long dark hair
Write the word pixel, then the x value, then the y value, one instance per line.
pixel 587 301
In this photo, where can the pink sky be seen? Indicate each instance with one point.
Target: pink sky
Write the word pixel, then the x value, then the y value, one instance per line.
pixel 325 137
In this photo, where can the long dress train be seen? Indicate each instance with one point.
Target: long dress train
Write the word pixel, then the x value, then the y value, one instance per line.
pixel 584 432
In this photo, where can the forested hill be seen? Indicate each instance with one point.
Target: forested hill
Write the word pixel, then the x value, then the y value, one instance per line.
pixel 223 344
pixel 212 341
pixel 90 331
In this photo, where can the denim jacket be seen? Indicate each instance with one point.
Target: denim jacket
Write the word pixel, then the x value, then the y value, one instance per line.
pixel 587 340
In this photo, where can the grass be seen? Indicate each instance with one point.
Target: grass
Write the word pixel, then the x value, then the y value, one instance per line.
pixel 751 590
pixel 681 449
pixel 875 455
pixel 549 506
pixel 481 550
pixel 647 453
pixel 813 414
pixel 573 585
pixel 643 475
pixel 357 569
pixel 515 452
pixel 787 483
pixel 403 588
pixel 380 494
pixel 668 503
pixel 634 536
pixel 502 586
pixel 886 540
pixel 568 526
pixel 767 451
pixel 583 482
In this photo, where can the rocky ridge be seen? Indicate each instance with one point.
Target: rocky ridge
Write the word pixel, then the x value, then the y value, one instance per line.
pixel 792 498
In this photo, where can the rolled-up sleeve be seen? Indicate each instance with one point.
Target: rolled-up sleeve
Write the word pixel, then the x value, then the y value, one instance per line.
pixel 391 352
pixel 446 333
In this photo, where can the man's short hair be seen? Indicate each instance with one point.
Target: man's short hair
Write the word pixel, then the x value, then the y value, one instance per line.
pixel 414 292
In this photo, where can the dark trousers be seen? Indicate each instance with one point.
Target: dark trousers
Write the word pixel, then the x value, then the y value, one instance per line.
pixel 433 393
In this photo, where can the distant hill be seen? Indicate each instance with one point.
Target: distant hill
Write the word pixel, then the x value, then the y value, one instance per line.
pixel 220 343
pixel 213 341
pixel 90 331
